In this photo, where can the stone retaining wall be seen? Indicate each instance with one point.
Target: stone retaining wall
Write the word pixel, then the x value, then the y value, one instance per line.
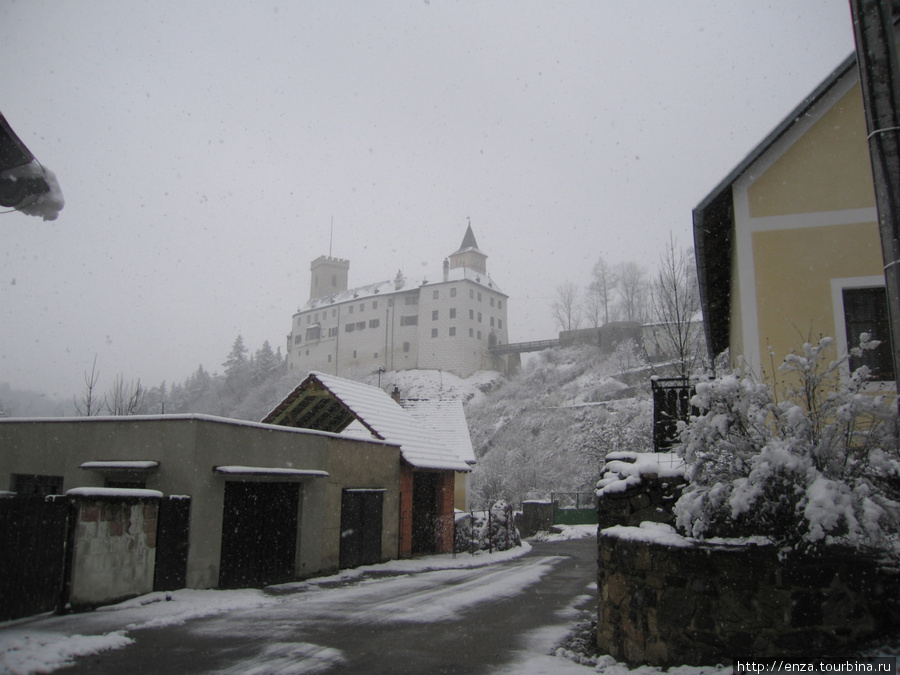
pixel 666 605
pixel 650 500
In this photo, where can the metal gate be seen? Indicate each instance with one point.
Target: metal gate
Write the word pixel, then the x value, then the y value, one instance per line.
pixel 172 542
pixel 259 534
pixel 32 554
pixel 671 404
pixel 361 526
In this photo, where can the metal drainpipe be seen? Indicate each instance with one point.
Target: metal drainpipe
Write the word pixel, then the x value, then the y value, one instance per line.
pixel 879 75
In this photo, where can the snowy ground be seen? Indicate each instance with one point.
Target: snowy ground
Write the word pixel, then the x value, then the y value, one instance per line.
pixel 44 644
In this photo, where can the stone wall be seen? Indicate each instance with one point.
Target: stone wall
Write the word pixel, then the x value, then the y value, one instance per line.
pixel 650 500
pixel 687 603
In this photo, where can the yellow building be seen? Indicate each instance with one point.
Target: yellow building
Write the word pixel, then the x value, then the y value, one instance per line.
pixel 787 244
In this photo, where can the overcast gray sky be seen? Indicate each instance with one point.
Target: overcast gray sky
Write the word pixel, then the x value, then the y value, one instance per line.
pixel 204 148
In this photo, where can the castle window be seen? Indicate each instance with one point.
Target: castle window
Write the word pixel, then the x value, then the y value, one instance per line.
pixel 452 331
pixel 434 315
pixel 471 313
pixel 479 335
pixel 471 333
pixel 376 355
pixel 362 307
pixel 479 317
pixel 334 280
pixel 452 292
pixel 333 313
pixel 492 302
pixel 360 325
pixel 412 299
pixel 317 317
pixel 479 296
pixel 332 331
pixel 492 322
pixel 390 302
pixel 499 304
pixel 354 353
pixel 350 327
pixel 406 346
pixel 436 294
pixel 329 358
pixel 297 340
pixel 374 304
pixel 350 309
pixel 499 323
pixel 409 320
pixel 471 293
pixel 313 333
pixel 434 332
pixel 453 312
pixel 373 323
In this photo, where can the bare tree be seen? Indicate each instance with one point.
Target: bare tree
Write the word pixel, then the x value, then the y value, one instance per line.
pixel 565 308
pixel 675 304
pixel 89 405
pixel 631 287
pixel 125 398
pixel 598 294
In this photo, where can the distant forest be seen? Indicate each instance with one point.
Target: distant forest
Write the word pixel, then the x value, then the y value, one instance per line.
pixel 250 385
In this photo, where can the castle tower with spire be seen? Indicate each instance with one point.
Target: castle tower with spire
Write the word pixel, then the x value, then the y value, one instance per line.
pixel 401 323
pixel 469 255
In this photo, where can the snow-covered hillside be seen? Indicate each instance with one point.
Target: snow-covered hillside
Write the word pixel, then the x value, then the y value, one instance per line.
pixel 548 428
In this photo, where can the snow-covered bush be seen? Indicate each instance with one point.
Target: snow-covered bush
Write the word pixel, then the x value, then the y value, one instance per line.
pixel 820 466
pixel 493 529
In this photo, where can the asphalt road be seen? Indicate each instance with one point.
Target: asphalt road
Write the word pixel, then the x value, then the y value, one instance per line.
pixel 450 621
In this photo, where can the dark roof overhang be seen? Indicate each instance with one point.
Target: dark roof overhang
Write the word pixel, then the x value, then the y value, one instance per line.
pixel 13 153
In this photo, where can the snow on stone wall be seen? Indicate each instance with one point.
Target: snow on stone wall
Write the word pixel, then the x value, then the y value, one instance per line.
pixel 667 600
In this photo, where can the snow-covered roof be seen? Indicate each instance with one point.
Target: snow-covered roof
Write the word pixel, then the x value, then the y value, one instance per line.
pixel 183 417
pixel 25 184
pixel 121 465
pixel 114 493
pixel 468 243
pixel 331 403
pixel 447 419
pixel 389 287
pixel 235 470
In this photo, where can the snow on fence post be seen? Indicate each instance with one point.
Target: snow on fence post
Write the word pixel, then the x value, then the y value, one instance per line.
pixel 490 529
pixel 508 511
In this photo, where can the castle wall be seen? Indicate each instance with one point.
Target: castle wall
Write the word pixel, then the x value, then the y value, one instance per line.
pixel 446 326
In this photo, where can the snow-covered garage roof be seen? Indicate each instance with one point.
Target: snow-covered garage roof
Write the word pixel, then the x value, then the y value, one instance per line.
pixel 329 403
pixel 447 419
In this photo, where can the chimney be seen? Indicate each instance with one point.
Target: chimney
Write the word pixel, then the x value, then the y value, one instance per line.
pixel 446 270
pixel 396 394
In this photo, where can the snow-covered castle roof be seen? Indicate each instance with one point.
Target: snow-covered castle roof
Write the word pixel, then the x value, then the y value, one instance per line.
pixel 400 284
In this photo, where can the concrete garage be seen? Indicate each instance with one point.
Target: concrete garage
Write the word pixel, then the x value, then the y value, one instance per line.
pixel 266 502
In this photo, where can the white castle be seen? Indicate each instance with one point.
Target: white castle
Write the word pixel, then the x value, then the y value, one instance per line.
pixel 401 324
